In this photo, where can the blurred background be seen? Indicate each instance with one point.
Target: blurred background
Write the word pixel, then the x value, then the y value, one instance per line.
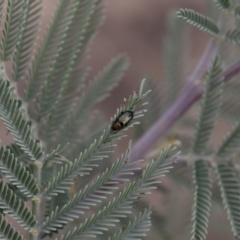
pixel 140 29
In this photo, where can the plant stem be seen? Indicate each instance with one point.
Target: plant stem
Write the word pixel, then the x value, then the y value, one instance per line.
pixel 36 205
pixel 190 94
pixel 205 61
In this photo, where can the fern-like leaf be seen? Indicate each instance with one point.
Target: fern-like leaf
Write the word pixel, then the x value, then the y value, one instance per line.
pixel 200 21
pixel 122 204
pixel 136 229
pixel 11 28
pixel 233 36
pixel 48 96
pixel 230 144
pixel 7 231
pixel 28 33
pixel 17 174
pixel 98 90
pixel 18 153
pixel 230 191
pixel 49 48
pixel 82 165
pixel 82 34
pixel 15 122
pixel 104 184
pixel 209 108
pixel 237 12
pixel 15 207
pixel 223 4
pixel 2 2
pixel 64 105
pixel 202 199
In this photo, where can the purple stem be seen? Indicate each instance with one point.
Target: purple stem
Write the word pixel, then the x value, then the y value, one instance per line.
pixel 191 93
pixel 205 61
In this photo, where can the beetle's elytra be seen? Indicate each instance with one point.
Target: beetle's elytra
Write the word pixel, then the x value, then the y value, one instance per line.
pixel 122 121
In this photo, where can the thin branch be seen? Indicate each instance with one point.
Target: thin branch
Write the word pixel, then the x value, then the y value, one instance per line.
pixel 205 61
pixel 191 93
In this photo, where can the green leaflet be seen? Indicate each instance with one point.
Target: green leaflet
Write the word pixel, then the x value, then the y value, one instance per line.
pixel 230 191
pixel 11 28
pixel 136 229
pixel 233 36
pixel 202 199
pixel 7 231
pixel 97 91
pixel 200 21
pixel 71 78
pixel 48 50
pixel 237 12
pixel 230 143
pixel 17 174
pixel 15 207
pixel 19 127
pixel 47 98
pixel 93 193
pixel 28 32
pixel 121 205
pixel 223 4
pixel 82 165
pixel 209 109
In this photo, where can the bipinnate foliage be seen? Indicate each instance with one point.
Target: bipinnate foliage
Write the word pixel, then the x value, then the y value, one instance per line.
pixel 200 170
pixel 11 28
pixel 121 205
pixel 13 117
pixel 15 207
pixel 201 159
pixel 200 21
pixel 46 127
pixel 55 148
pixel 223 4
pixel 209 108
pixel 8 231
pixel 136 228
pixel 29 26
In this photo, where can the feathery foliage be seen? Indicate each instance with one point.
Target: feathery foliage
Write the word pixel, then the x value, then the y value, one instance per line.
pixel 237 12
pixel 210 103
pixel 11 28
pixel 211 100
pixel 200 21
pixel 12 116
pixel 97 90
pixel 233 36
pixel 69 78
pixel 121 205
pixel 29 28
pixel 49 48
pixel 223 4
pixel 7 231
pixel 17 174
pixel 230 191
pixel 230 144
pixel 84 9
pixel 202 199
pixel 136 229
pixel 92 194
pixel 15 207
pixel 83 164
pixel 45 172
pixel 18 153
